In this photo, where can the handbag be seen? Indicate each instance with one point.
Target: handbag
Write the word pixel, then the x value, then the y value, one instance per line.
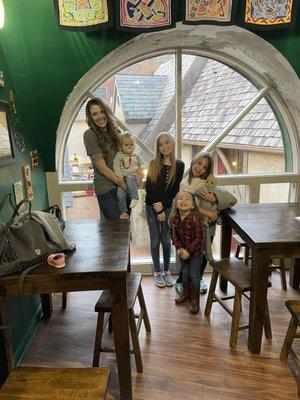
pixel 55 210
pixel 23 243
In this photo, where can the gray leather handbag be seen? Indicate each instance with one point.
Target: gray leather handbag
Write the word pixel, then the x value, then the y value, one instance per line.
pixel 23 243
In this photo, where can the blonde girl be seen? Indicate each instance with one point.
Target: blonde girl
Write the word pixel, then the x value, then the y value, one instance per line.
pixel 188 238
pixel 162 185
pixel 210 199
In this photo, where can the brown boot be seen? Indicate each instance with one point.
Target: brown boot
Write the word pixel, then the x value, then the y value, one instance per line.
pixel 194 307
pixel 186 294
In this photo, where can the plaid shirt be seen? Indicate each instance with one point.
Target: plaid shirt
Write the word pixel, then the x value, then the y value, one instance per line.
pixel 188 234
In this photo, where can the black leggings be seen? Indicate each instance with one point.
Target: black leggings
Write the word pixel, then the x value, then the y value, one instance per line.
pixel 202 266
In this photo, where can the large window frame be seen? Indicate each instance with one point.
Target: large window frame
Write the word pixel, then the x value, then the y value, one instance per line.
pixel 253 57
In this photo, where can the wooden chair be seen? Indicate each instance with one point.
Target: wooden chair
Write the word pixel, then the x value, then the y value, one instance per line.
pixel 33 383
pixel 294 308
pixel 134 290
pixel 238 274
pixel 246 257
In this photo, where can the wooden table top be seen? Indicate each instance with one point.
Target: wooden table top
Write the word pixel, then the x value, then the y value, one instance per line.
pixel 267 223
pixel 102 249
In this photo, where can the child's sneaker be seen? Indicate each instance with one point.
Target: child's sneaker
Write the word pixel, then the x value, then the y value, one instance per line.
pixel 133 203
pixel 124 215
pixel 203 287
pixel 168 279
pixel 159 279
pixel 178 288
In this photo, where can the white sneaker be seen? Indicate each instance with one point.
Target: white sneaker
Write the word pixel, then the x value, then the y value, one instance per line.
pixel 203 287
pixel 133 203
pixel 124 215
pixel 159 280
pixel 168 279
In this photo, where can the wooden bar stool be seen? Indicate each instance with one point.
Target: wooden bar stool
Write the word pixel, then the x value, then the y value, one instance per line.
pixel 26 383
pixel 294 308
pixel 239 245
pixel 238 274
pixel 134 290
pixel 246 257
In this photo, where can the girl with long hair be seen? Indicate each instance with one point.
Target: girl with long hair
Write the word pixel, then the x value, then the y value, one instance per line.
pixel 162 184
pixel 210 199
pixel 188 238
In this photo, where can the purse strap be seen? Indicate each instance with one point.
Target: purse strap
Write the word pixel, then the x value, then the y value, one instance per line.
pixel 3 201
pixel 17 208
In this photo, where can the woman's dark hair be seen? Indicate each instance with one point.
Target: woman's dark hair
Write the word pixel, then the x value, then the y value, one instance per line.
pixel 110 134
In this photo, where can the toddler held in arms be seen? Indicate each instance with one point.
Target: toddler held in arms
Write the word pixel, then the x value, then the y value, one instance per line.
pixel 129 166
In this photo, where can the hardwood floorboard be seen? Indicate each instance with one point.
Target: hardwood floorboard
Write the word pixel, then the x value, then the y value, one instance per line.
pixel 184 357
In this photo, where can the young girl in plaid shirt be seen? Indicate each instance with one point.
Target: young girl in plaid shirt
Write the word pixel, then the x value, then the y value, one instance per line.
pixel 188 238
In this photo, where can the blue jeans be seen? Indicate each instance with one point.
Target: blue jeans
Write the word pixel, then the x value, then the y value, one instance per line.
pixel 203 264
pixel 132 190
pixel 159 233
pixel 108 203
pixel 191 271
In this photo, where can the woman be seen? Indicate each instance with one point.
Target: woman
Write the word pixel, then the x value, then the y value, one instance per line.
pixel 101 144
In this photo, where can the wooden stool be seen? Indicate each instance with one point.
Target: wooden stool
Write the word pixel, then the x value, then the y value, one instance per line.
pixel 26 383
pixel 294 308
pixel 239 244
pixel 238 274
pixel 134 290
pixel 280 267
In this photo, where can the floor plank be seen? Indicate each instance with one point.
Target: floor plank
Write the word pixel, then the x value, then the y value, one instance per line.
pixel 185 356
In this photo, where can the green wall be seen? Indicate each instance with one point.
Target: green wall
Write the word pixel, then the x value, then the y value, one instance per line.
pixel 24 311
pixel 42 64
pixel 47 62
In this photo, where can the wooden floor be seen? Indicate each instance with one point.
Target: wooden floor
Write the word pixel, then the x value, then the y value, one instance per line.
pixel 185 357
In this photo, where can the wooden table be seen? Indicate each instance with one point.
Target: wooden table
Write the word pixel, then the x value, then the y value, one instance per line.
pixel 99 262
pixel 268 229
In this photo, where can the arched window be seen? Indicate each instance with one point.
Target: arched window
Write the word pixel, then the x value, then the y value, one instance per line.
pixel 220 99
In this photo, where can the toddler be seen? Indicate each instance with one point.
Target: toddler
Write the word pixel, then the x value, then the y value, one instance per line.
pixel 129 166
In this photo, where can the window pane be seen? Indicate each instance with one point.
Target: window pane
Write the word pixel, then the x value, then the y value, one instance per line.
pixel 274 193
pixel 77 165
pixel 81 205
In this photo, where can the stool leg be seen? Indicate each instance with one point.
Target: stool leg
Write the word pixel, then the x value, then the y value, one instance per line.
pixel 211 293
pixel 64 301
pixel 267 323
pixel 144 309
pixel 135 341
pixel 110 324
pixel 235 318
pixel 98 339
pixel 237 251
pixel 282 273
pixel 288 341
pixel 247 255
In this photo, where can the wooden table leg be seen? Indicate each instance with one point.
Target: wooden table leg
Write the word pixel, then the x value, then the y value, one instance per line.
pixel 119 311
pixel 295 273
pixel 226 233
pixel 258 296
pixel 6 352
pixel 46 300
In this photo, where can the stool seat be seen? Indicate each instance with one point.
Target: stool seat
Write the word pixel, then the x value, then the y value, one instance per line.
pixel 239 275
pixel 33 383
pixel 134 291
pixel 133 283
